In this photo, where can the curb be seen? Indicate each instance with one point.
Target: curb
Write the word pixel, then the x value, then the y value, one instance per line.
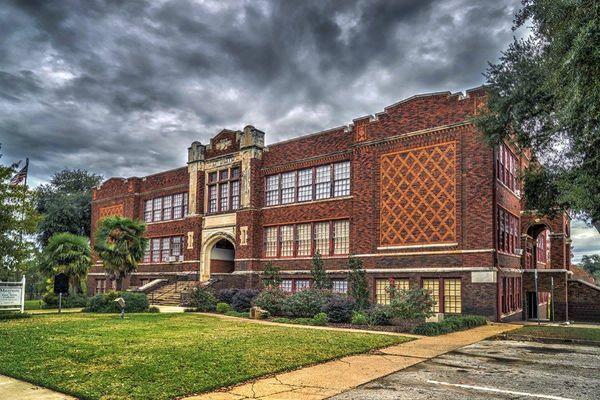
pixel 525 338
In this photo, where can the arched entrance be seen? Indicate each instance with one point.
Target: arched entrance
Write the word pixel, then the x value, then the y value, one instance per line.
pixel 218 256
pixel 539 289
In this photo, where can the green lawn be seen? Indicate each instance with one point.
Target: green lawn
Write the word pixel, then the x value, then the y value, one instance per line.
pixel 161 356
pixel 33 304
pixel 559 332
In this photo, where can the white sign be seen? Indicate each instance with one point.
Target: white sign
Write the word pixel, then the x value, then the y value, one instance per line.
pixel 12 295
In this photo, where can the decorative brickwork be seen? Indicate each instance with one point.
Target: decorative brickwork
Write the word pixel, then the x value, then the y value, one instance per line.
pixel 110 211
pixel 418 196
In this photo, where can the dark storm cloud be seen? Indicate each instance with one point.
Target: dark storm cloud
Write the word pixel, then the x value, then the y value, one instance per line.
pixel 122 88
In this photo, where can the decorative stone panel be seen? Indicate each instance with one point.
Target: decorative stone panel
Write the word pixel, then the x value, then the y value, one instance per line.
pixel 110 211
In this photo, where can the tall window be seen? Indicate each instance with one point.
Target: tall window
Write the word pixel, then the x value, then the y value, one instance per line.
pixel 271 242
pixel 287 240
pixel 166 249
pixel 322 237
pixel 340 237
pixel 506 167
pixel 510 294
pixel 306 239
pixel 322 182
pixel 508 232
pixel 224 190
pixel 541 248
pixel 166 208
pixel 433 287
pixel 304 242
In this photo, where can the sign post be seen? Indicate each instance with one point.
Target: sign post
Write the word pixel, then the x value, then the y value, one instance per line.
pixel 12 296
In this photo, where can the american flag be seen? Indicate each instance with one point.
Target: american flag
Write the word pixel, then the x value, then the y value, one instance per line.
pixel 21 176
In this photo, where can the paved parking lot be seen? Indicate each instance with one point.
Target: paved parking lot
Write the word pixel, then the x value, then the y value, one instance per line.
pixel 494 369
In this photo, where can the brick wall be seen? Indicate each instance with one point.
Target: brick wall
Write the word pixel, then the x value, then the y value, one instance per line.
pixel 584 301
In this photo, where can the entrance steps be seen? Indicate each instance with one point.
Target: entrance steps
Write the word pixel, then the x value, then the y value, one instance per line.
pixel 171 293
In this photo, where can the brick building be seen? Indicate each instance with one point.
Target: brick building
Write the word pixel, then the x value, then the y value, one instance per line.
pixel 413 191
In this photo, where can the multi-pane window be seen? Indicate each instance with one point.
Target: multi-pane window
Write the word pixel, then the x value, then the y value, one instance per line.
pixel 541 248
pixel 271 242
pixel 510 294
pixel 508 232
pixel 452 296
pixel 433 287
pixel 340 286
pixel 304 241
pixel 287 240
pixel 506 166
pixel 224 190
pixel 100 285
pixel 164 249
pixel 286 285
pixel 341 234
pixel 341 179
pixel 288 187
pixel 382 288
pixel 166 208
pixel 322 182
pixel 328 238
pixel 305 184
pixel 322 237
pixel 302 284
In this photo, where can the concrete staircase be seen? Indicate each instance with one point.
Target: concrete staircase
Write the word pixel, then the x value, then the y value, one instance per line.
pixel 170 294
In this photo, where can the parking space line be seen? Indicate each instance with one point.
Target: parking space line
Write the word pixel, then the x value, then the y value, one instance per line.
pixel 495 390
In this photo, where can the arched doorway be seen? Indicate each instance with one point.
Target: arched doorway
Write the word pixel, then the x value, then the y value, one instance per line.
pixel 218 256
pixel 538 296
pixel 222 256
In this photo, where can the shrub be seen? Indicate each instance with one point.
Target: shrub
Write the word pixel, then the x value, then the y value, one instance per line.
pixel 320 277
pixel 271 276
pixel 4 316
pixel 242 301
pixel 272 300
pixel 411 304
pixel 68 301
pixel 306 303
pixel 359 318
pixel 450 324
pixel 320 319
pixel 202 299
pixel 238 314
pixel 379 315
pixel 427 329
pixel 226 295
pixel 153 309
pixel 357 280
pixel 281 320
pixel 222 308
pixel 339 308
pixel 105 302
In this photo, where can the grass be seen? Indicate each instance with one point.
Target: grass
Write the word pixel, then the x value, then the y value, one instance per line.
pixel 33 304
pixel 161 356
pixel 559 332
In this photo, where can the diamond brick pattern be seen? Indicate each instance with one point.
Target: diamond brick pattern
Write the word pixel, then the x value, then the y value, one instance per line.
pixel 418 196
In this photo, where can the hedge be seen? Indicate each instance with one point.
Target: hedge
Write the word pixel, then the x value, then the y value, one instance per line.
pixel 450 324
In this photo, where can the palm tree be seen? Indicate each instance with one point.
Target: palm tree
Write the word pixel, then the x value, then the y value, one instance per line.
pixel 69 254
pixel 120 244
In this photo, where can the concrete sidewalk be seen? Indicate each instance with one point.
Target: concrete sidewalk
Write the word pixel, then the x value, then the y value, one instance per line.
pixel 15 389
pixel 328 379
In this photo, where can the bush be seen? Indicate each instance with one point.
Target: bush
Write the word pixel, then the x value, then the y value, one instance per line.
pixel 379 315
pixel 306 303
pixel 5 316
pixel 339 308
pixel 450 324
pixel 226 295
pixel 68 301
pixel 272 300
pixel 105 302
pixel 222 308
pixel 411 304
pixel 320 319
pixel 153 309
pixel 202 299
pixel 359 318
pixel 242 301
pixel 238 314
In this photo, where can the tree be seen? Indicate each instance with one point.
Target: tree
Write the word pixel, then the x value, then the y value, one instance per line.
pixel 120 244
pixel 318 273
pixel 545 95
pixel 357 281
pixel 271 276
pixel 68 254
pixel 66 203
pixel 592 265
pixel 18 220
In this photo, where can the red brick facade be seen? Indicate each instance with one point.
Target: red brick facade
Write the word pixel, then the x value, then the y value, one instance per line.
pixel 423 202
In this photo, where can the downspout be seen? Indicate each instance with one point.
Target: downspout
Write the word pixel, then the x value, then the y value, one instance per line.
pixel 495 233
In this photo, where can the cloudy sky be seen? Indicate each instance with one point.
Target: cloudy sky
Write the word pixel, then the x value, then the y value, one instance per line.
pixel 122 88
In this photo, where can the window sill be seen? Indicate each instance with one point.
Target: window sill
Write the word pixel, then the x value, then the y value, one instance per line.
pixel 300 203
